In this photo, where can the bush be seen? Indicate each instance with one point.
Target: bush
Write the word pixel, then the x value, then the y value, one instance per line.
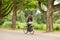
pixel 21 25
pixel 58 21
pixel 18 25
pixel 39 27
pixel 1 22
pixel 9 25
pixel 56 27
pixel 35 25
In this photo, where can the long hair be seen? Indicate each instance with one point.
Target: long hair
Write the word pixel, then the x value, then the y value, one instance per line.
pixel 30 16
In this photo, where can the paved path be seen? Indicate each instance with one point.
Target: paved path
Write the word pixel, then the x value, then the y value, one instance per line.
pixel 12 35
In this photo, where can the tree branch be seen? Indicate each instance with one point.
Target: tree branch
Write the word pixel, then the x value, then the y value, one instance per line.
pixel 50 3
pixel 56 7
pixel 39 4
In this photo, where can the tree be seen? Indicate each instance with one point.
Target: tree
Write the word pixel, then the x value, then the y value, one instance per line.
pixel 14 14
pixel 50 9
pixel 17 4
pixel 0 7
pixel 5 7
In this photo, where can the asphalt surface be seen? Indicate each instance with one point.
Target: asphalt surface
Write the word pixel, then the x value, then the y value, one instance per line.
pixel 9 35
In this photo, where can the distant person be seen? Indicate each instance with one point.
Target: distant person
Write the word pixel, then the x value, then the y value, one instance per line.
pixel 29 27
pixel 29 20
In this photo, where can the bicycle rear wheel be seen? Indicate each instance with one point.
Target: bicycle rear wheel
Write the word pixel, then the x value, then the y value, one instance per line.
pixel 32 32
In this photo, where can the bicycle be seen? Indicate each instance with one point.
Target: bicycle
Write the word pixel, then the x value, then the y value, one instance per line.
pixel 27 29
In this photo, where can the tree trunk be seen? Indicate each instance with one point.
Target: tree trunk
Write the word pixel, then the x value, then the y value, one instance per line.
pixel 0 9
pixel 14 15
pixel 49 24
pixel 14 20
pixel 51 8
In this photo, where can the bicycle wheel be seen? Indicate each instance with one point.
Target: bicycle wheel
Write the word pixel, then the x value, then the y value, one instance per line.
pixel 25 30
pixel 32 32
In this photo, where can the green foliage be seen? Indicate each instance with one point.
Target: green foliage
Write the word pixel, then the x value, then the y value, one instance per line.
pixel 7 25
pixel 35 25
pixel 21 16
pixel 7 6
pixel 58 21
pixel 40 18
pixel 56 27
pixel 40 27
pixel 56 16
pixel 22 25
pixel 58 0
pixel 1 21
pixel 30 4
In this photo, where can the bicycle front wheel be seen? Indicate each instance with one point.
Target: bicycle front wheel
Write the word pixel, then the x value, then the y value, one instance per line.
pixel 25 30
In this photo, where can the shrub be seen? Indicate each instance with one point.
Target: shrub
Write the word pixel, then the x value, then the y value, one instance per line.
pixel 18 25
pixel 35 25
pixel 39 27
pixel 58 21
pixel 1 22
pixel 7 25
pixel 22 25
pixel 56 27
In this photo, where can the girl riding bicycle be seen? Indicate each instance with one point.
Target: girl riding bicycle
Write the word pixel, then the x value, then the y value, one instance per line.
pixel 29 22
pixel 29 27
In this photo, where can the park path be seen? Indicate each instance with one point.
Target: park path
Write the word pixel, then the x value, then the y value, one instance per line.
pixel 19 35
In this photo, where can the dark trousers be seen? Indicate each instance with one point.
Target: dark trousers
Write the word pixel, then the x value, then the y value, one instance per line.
pixel 29 27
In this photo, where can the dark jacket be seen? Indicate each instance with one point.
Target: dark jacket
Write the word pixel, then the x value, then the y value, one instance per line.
pixel 29 20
